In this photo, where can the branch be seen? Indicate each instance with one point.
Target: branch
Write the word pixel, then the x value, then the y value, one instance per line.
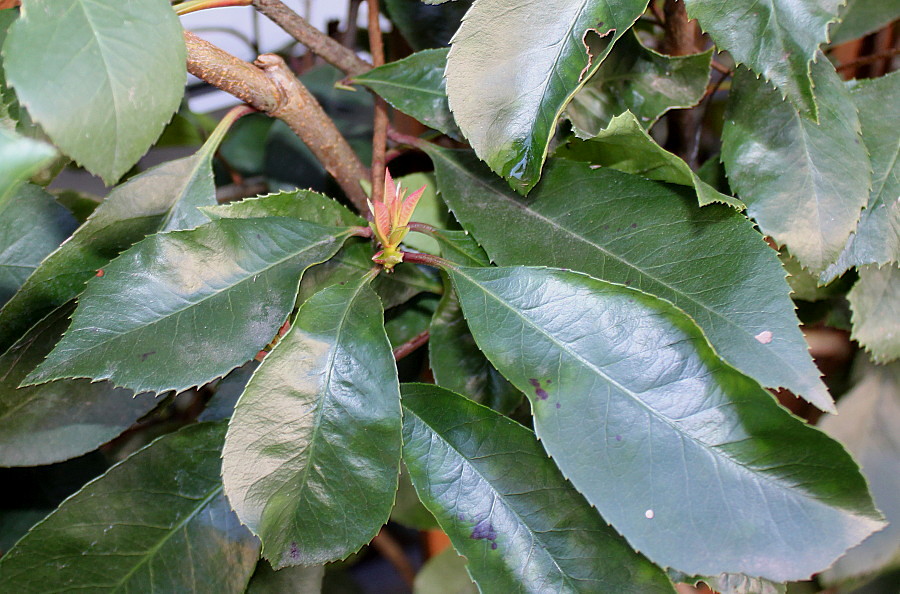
pixel 330 50
pixel 412 345
pixel 272 88
pixel 380 125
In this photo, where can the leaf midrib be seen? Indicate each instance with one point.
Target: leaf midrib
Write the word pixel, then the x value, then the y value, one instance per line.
pixel 43 376
pixel 759 475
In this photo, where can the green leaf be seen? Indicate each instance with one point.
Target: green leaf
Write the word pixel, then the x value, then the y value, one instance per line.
pixel 20 158
pixel 803 182
pixel 32 225
pixel 732 583
pixel 877 237
pixel 677 450
pixel 444 574
pixel 508 80
pixel 408 510
pixel 859 17
pixel 637 79
pixel 426 26
pixel 875 302
pixel 60 420
pixel 165 197
pixel 222 290
pixel 778 40
pixel 868 425
pixel 460 366
pixel 302 580
pixel 313 449
pixel 628 230
pixel 625 146
pixel 506 507
pixel 156 522
pixel 101 77
pixel 354 260
pixel 415 85
pixel 8 103
pixel 305 205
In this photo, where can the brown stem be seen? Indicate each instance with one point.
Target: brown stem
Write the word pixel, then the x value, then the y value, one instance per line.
pixel 271 87
pixel 402 138
pixel 682 37
pixel 379 136
pixel 427 260
pixel 870 59
pixel 412 345
pixel 393 552
pixel 320 44
pixel 654 8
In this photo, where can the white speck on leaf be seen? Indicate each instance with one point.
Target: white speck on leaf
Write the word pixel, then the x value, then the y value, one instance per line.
pixel 649 514
pixel 765 337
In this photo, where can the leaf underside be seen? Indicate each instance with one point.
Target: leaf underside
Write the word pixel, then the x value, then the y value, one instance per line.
pixel 875 303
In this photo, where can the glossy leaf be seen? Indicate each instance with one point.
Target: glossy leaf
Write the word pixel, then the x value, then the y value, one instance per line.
pixel 624 145
pixel 859 17
pixel 778 40
pixel 313 448
pixel 869 426
pixel 165 197
pixel 803 182
pixel 351 262
pixel 60 420
pixel 305 205
pixel 677 450
pixel 444 573
pixel 637 79
pixel 20 158
pixel 506 507
pixel 157 522
pixel 222 289
pixel 72 65
pixel 425 26
pixel 877 237
pixel 459 365
pixel 875 302
pixel 32 225
pixel 415 85
pixel 628 230
pixel 509 80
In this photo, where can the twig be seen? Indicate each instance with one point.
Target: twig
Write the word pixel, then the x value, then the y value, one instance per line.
pixel 412 345
pixel 720 67
pixel 654 8
pixel 870 59
pixel 195 5
pixel 348 39
pixel 271 87
pixel 393 552
pixel 318 43
pixel 379 136
pixel 682 37
pixel 401 138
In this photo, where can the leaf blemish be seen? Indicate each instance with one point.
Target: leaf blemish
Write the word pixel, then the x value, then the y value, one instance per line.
pixel 484 530
pixel 765 337
pixel 147 354
pixel 538 390
pixel 294 553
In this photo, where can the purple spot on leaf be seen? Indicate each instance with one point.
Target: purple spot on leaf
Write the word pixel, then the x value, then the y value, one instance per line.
pixel 542 393
pixel 558 405
pixel 534 383
pixel 494 546
pixel 618 438
pixel 484 530
pixel 634 225
pixel 294 552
